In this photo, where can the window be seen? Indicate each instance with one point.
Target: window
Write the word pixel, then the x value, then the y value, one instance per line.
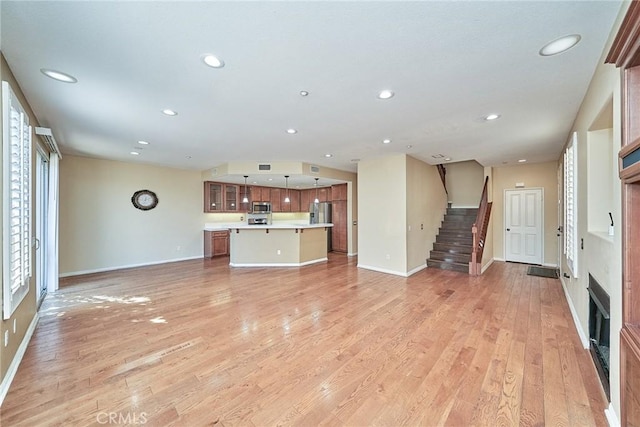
pixel 16 195
pixel 570 208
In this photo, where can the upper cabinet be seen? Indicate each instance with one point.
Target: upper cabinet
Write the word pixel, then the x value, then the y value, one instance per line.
pixel 339 192
pixel 220 197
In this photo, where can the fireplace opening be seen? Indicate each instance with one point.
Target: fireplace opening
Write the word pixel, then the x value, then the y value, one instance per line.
pixel 599 331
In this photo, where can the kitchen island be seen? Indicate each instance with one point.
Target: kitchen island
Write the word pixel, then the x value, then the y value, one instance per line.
pixel 275 245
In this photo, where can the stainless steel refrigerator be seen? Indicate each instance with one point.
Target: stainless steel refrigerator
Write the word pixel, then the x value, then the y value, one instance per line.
pixel 320 213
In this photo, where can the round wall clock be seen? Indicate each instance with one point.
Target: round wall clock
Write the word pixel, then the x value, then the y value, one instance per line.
pixel 144 200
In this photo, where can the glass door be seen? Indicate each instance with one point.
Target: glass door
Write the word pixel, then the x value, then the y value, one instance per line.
pixel 42 206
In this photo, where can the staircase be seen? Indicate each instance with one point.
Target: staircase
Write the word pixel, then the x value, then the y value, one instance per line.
pixel 453 246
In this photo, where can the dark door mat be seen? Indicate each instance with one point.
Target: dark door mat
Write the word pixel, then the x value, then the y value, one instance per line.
pixel 551 273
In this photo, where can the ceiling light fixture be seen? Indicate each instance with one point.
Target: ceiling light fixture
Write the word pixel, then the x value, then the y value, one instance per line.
pixel 59 76
pixel 386 141
pixel 560 45
pixel 304 93
pixel 491 117
pixel 143 143
pixel 385 94
pixel 522 160
pixel 316 200
pixel 291 131
pixel 134 153
pixel 286 186
pixel 447 159
pixel 328 155
pixel 245 199
pixel 409 146
pixel 212 61
pixel 169 112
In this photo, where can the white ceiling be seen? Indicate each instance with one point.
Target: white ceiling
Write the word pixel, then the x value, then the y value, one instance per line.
pixel 449 64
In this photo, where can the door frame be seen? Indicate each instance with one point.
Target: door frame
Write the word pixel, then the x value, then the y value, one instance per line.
pixel 504 220
pixel 41 224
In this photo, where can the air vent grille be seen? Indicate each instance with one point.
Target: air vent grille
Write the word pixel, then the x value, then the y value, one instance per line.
pixel 264 167
pixel 47 137
pixel 314 169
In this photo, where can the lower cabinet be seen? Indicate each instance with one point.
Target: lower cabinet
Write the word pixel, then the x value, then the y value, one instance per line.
pixel 216 243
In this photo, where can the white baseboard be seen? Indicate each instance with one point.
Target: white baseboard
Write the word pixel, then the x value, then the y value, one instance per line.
pixel 612 418
pixel 122 267
pixel 284 264
pixel 15 363
pixel 417 269
pixel 576 320
pixel 499 259
pixel 383 270
pixel 487 265
pixel 352 254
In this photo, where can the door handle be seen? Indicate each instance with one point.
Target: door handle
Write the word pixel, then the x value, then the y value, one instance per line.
pixel 37 242
pixel 508 229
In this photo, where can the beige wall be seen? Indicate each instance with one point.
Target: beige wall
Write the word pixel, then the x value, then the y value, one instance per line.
pixel 464 183
pixel 401 203
pixel 602 255
pixel 537 175
pixel 26 311
pixel 382 220
pixel 426 206
pixel 100 229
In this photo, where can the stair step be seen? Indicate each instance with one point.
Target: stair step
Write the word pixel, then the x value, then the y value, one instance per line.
pixel 465 234
pixel 452 248
pixel 456 241
pixel 450 257
pixel 462 211
pixel 454 266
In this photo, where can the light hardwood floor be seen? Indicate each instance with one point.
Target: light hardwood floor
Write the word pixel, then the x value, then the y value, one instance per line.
pixel 199 343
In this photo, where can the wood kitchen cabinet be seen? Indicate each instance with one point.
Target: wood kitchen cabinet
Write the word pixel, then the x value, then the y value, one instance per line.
pixel 220 197
pixel 324 194
pixel 306 197
pixel 216 243
pixel 294 201
pixel 339 241
pixel 339 192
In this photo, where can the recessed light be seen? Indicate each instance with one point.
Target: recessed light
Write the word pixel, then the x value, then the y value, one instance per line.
pixel 409 146
pixel 291 131
pixel 254 182
pixel 187 157
pixel 386 141
pixel 270 179
pixel 143 143
pixel 522 160
pixel 447 159
pixel 213 61
pixel 385 94
pixel 304 93
pixel 328 155
pixel 560 45
pixel 169 112
pixel 492 117
pixel 60 76
pixel 134 153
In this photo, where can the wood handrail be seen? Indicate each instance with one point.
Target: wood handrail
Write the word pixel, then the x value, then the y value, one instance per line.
pixel 443 172
pixel 479 231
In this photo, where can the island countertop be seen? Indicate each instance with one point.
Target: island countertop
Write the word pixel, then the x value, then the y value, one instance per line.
pixel 212 226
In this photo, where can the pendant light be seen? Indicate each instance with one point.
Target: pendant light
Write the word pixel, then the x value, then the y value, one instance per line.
pixel 316 200
pixel 286 183
pixel 245 199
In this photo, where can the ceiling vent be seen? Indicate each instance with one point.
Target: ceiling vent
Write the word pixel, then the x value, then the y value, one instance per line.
pixel 314 169
pixel 49 140
pixel 264 167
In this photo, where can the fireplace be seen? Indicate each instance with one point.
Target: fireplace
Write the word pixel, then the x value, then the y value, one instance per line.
pixel 599 331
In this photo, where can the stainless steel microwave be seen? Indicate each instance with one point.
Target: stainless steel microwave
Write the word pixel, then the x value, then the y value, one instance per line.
pixel 261 207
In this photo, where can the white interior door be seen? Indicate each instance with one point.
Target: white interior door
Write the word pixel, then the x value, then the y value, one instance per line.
pixel 523 225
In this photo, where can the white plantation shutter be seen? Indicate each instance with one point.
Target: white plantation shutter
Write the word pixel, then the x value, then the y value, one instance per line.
pixel 570 208
pixel 16 144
